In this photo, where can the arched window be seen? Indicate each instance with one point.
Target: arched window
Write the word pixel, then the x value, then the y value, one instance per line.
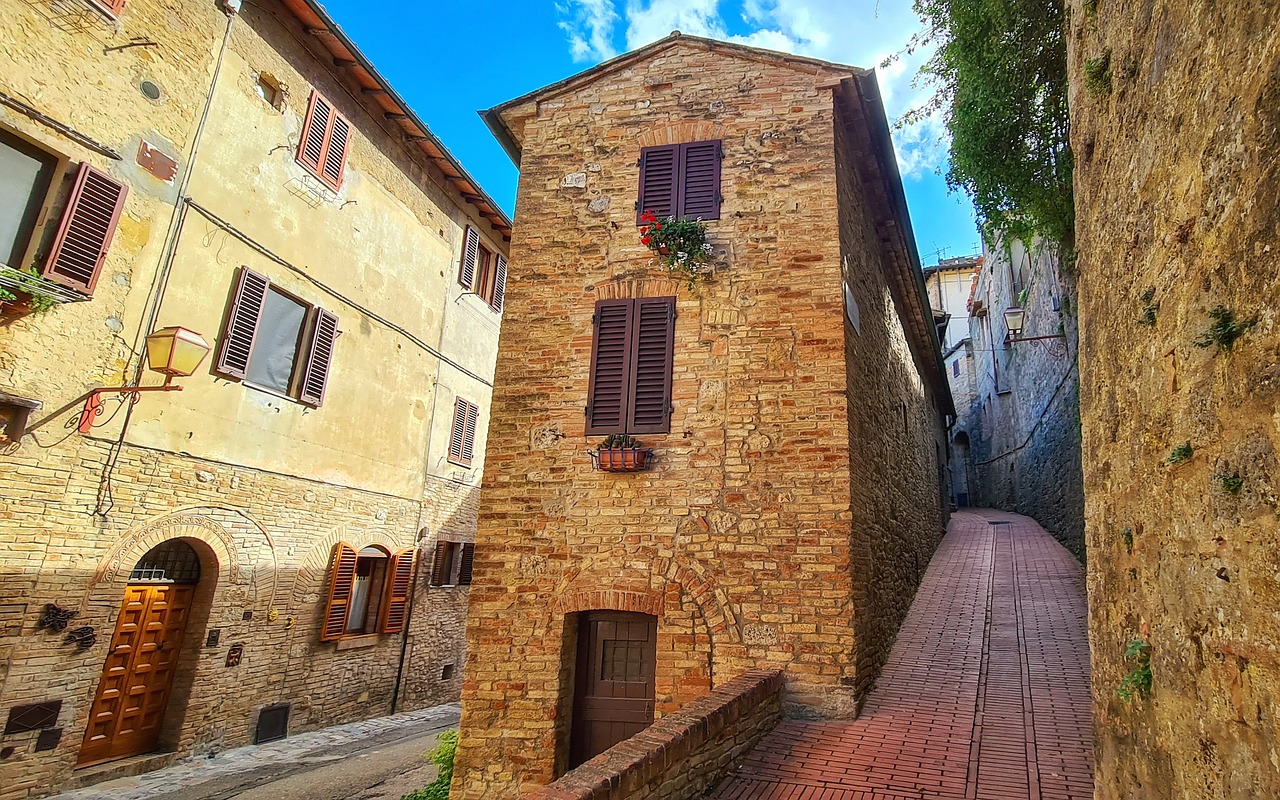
pixel 356 579
pixel 171 561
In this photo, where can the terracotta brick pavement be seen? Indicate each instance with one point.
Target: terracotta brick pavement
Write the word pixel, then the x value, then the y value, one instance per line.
pixel 985 696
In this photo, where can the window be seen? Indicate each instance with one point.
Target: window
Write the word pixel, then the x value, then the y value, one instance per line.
pixel 452 564
pixel 326 135
pixel 482 272
pixel 274 341
pixel 462 437
pixel 630 385
pixel 26 173
pixel 955 368
pixel 356 578
pixel 681 180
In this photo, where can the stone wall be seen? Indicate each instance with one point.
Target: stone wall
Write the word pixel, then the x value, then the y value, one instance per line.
pixel 1023 428
pixel 748 535
pixel 683 755
pixel 1178 214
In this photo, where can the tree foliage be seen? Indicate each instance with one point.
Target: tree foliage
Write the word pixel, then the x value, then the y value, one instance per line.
pixel 1000 72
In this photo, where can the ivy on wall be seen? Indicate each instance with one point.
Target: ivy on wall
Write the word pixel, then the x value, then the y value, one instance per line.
pixel 1000 78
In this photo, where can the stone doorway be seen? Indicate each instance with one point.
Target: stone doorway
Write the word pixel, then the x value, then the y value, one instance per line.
pixel 129 706
pixel 614 683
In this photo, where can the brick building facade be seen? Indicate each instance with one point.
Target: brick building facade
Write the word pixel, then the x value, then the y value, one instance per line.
pixel 272 527
pixel 797 491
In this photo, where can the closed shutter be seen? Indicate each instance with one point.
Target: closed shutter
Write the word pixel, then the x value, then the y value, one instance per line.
pixel 659 181
pixel 440 563
pixel 610 382
pixel 464 572
pixel 462 444
pixel 395 608
pixel 242 323
pixel 335 151
pixel 653 339
pixel 499 285
pixel 342 575
pixel 314 131
pixel 320 355
pixel 700 180
pixel 470 251
pixel 80 248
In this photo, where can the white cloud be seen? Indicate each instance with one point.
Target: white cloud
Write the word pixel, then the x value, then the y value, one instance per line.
pixel 856 32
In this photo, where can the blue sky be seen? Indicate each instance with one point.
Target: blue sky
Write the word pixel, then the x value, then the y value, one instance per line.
pixel 450 59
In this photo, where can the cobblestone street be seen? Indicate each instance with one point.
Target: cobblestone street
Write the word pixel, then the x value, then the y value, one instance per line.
pixel 377 759
pixel 986 693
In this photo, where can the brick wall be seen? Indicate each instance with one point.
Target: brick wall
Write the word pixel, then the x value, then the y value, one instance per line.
pixel 1176 176
pixel 683 755
pixel 746 538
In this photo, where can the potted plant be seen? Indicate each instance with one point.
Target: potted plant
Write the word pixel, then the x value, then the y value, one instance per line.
pixel 680 245
pixel 621 453
pixel 18 302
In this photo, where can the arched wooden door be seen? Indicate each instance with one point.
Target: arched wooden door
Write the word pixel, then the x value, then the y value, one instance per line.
pixel 614 683
pixel 133 693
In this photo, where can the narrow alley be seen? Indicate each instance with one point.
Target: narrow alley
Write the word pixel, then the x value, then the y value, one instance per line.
pixel 985 695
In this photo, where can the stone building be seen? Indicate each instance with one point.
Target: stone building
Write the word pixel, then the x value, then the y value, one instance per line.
pixel 949 284
pixel 1178 227
pixel 794 405
pixel 259 553
pixel 1021 429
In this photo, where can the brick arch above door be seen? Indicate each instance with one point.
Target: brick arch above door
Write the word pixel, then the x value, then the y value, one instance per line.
pixel 690 130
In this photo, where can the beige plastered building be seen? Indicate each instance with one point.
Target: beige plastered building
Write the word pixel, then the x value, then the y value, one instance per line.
pixel 282 545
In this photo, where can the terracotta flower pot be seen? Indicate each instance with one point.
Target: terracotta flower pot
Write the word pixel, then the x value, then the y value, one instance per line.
pixel 622 459
pixel 663 250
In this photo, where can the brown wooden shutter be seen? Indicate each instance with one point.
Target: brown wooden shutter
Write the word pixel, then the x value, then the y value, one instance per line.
pixel 458 434
pixel 315 130
pixel 319 358
pixel 438 564
pixel 610 383
pixel 499 285
pixel 342 576
pixel 87 227
pixel 335 151
pixel 395 606
pixel 468 557
pixel 700 180
pixel 112 7
pixel 469 434
pixel 470 252
pixel 659 181
pixel 653 341
pixel 242 323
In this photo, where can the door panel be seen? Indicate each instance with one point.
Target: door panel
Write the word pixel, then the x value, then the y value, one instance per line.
pixel 128 710
pixel 614 685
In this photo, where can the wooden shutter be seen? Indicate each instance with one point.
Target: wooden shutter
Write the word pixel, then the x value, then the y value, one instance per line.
pixel 80 248
pixel 335 151
pixel 320 356
pixel 652 341
pixel 342 576
pixel 499 285
pixel 700 180
pixel 469 434
pixel 458 450
pixel 659 181
pixel 395 606
pixel 112 7
pixel 610 383
pixel 439 563
pixel 470 252
pixel 314 132
pixel 464 572
pixel 242 323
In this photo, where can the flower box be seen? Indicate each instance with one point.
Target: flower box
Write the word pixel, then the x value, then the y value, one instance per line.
pixel 622 459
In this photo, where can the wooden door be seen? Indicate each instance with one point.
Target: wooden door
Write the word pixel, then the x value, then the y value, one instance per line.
pixel 613 688
pixel 134 690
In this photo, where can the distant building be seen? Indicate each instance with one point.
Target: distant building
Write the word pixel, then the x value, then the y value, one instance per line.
pixel 286 543
pixel 949 283
pixel 1021 426
pixel 794 406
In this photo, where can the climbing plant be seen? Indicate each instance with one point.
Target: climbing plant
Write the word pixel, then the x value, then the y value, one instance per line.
pixel 1000 80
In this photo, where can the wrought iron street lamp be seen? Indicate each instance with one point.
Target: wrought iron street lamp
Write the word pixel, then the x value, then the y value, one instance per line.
pixel 174 352
pixel 1015 318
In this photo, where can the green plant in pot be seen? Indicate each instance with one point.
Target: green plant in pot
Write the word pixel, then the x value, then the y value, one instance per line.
pixel 15 302
pixel 680 245
pixel 620 452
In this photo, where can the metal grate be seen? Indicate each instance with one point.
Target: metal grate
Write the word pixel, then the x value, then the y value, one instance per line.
pixel 273 724
pixel 17 280
pixel 172 561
